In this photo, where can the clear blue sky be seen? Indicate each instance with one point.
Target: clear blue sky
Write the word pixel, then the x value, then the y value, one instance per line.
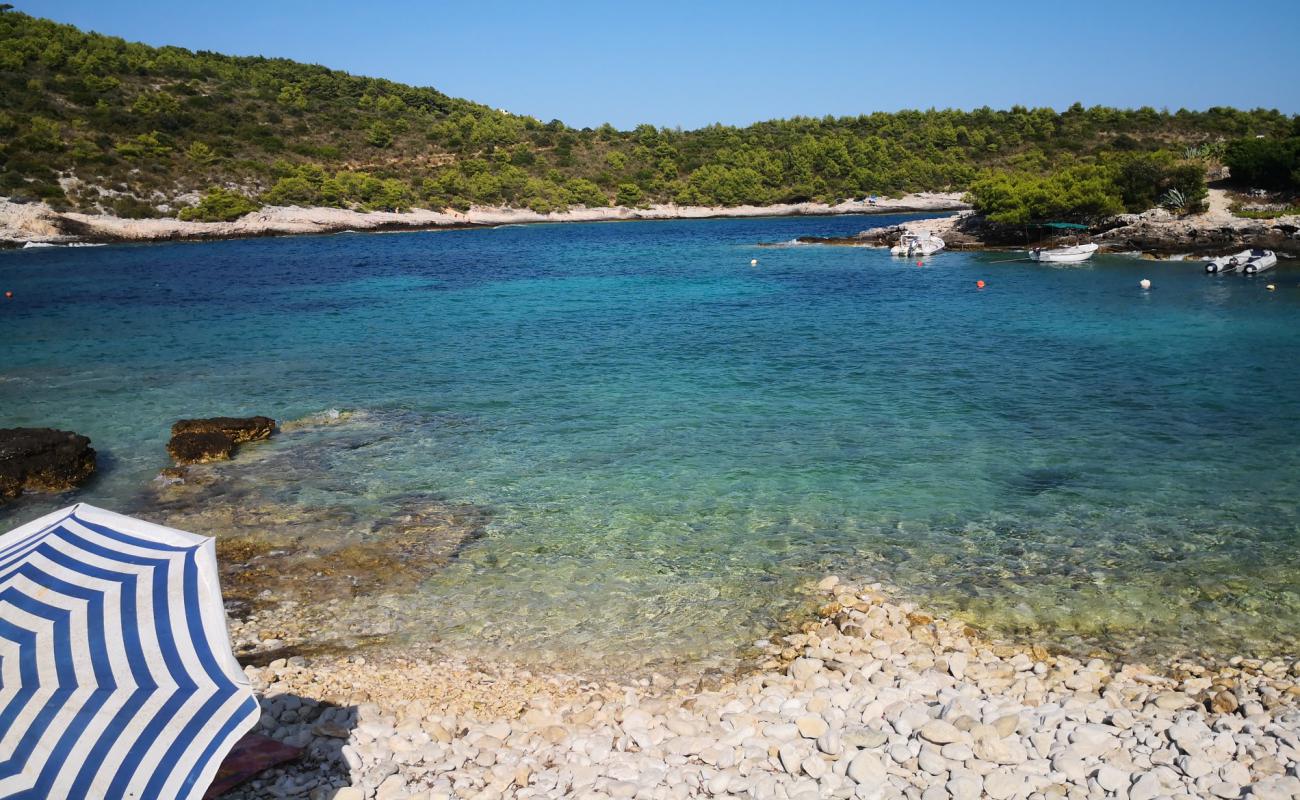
pixel 738 61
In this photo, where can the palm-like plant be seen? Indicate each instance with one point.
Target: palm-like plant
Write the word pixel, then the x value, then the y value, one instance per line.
pixel 1174 200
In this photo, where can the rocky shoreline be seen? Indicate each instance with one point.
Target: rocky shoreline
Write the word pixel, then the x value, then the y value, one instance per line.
pixel 873 699
pixel 1155 232
pixel 37 223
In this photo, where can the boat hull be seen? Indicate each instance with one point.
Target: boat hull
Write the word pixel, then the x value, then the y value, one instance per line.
pixel 1226 264
pixel 1260 264
pixel 917 245
pixel 1064 255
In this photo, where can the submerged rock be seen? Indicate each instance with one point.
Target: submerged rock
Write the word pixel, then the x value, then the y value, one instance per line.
pixel 43 460
pixel 200 441
pixel 307 562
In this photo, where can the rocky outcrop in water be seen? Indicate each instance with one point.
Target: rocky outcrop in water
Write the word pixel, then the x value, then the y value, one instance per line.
pixel 239 429
pixel 200 441
pixel 200 448
pixel 43 460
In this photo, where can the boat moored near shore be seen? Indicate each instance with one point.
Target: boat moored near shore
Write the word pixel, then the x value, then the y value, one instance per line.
pixel 1259 261
pixel 917 244
pixel 1222 265
pixel 1071 254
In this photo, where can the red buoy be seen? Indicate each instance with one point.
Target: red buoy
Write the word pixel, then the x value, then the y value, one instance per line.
pixel 9 295
pixel 979 284
pixel 918 263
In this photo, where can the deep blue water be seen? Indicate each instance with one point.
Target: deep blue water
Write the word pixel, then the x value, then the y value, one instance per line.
pixel 670 441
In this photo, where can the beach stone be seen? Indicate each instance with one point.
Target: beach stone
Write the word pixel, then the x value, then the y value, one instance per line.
pixel 957 662
pixel 940 732
pixel 867 768
pixel 791 756
pixel 1112 779
pixel 393 788
pixel 1235 772
pixel 43 460
pixel 866 738
pixel 814 766
pixel 1226 790
pixel 932 761
pixel 801 669
pixel 1224 703
pixel 1145 787
pixel 349 793
pixel 1000 751
pixel 1172 701
pixel 830 743
pixel 811 726
pixel 1193 766
pixel 964 787
pixel 782 731
pixel 1002 784
pixel 1007 724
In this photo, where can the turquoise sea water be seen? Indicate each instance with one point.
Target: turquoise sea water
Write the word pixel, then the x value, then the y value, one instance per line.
pixel 669 442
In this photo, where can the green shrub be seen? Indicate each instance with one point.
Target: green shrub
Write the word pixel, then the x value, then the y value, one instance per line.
pixel 1265 163
pixel 630 195
pixel 129 207
pixel 219 205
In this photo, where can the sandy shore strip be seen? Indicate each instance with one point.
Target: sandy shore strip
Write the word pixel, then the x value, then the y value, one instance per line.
pixel 34 222
pixel 873 699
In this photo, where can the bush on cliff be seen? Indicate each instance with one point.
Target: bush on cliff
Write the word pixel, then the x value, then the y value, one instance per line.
pixel 1079 194
pixel 1088 193
pixel 1265 163
pixel 219 205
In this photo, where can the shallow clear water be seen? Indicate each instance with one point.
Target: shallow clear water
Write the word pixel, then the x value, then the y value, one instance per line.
pixel 669 441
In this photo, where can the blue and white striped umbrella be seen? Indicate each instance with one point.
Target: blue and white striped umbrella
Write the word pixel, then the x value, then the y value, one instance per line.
pixel 116 675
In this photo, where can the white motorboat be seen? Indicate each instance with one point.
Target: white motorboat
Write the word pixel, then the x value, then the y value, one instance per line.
pixel 1072 254
pixel 1229 263
pixel 917 244
pixel 1259 261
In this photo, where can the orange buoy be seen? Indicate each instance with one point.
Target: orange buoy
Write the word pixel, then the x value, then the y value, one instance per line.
pixel 979 284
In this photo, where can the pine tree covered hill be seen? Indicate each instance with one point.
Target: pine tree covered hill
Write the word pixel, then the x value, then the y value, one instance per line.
pixel 100 124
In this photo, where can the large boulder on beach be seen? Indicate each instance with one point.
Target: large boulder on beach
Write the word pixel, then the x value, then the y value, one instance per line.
pixel 239 429
pixel 43 460
pixel 200 441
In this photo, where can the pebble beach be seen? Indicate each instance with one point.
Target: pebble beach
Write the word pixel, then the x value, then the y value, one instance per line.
pixel 872 698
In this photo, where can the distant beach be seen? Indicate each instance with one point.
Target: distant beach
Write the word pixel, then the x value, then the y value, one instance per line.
pixel 35 222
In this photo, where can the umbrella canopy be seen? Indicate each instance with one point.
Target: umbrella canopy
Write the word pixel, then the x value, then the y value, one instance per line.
pixel 116 675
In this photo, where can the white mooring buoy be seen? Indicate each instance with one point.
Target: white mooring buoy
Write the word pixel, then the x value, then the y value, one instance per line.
pixel 1144 283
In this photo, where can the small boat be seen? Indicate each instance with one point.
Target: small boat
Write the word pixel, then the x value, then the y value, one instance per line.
pixel 1259 261
pixel 1225 264
pixel 1072 254
pixel 917 244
